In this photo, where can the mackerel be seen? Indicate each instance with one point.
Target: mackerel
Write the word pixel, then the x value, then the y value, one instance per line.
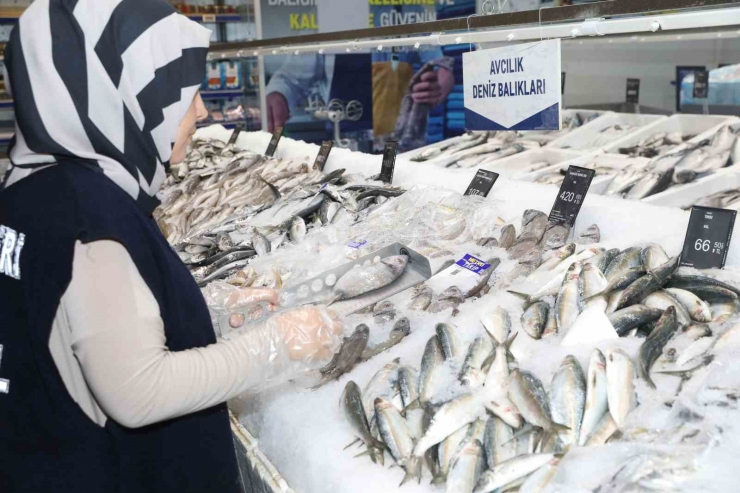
pixel 653 346
pixel 620 375
pixel 569 302
pixel 467 468
pixel 596 395
pixel 429 376
pixel 568 399
pixel 497 323
pixel 511 470
pixel 697 309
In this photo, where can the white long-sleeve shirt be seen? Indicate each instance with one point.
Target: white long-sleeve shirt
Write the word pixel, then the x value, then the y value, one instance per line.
pixel 109 345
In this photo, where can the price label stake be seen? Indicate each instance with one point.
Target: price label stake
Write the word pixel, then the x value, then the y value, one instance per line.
pixel 708 238
pixel 235 135
pixel 633 91
pixel 320 162
pixel 701 84
pixel 571 195
pixel 482 183
pixel 272 147
pixel 389 162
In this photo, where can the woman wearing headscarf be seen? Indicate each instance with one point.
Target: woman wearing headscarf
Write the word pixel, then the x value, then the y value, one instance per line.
pixel 111 379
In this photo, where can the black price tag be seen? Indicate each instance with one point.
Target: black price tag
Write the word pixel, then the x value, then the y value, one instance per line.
pixel 235 135
pixel 272 147
pixel 708 238
pixel 482 183
pixel 562 83
pixel 389 162
pixel 571 195
pixel 323 155
pixel 633 91
pixel 701 84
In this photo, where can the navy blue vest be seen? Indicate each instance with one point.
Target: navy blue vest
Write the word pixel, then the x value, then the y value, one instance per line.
pixel 47 444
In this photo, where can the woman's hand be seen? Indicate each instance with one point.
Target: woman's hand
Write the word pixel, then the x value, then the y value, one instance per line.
pixel 310 333
pixel 251 296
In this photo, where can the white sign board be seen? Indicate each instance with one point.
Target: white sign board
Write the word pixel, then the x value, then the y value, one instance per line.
pixel 513 88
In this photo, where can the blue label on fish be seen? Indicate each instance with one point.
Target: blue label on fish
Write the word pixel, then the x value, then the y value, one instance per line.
pixel 357 244
pixel 473 264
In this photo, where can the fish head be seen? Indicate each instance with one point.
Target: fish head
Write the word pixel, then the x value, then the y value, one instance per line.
pixel 402 326
pixel 362 331
pixel 383 306
pixel 382 404
pixel 397 263
pixel 597 358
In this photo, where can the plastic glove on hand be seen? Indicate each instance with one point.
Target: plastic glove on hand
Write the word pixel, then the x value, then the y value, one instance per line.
pixel 310 333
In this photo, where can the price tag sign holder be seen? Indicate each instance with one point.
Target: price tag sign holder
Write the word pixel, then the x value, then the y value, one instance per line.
pixel 708 238
pixel 572 193
pixel 389 162
pixel 320 162
pixel 272 147
pixel 633 93
pixel 482 183
pixel 701 88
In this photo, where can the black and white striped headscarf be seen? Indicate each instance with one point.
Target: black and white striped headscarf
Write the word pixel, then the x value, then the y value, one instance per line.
pixel 105 81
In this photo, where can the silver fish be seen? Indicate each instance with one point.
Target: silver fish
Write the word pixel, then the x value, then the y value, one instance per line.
pixel 364 279
pixel 620 375
pixel 662 300
pixel 596 396
pixel 408 385
pixel 604 430
pixel 568 398
pixel 534 319
pixel 452 416
pixel 381 381
pixel 498 442
pixel 556 256
pixel 397 438
pixel 446 453
pixel 627 259
pixel 355 414
pixel 451 297
pixel 569 302
pixel 697 309
pixel 421 299
pixel 653 256
pixel 592 234
pixel 297 229
pixel 429 377
pixel 447 334
pixel 497 323
pixel 528 395
pixel 539 480
pixel 467 468
pixel 653 346
pixel 511 470
pixel 632 317
pixel 593 280
pixel 471 374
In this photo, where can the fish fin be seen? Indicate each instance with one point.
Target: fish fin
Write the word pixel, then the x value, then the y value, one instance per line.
pixel 353 442
pixel 440 478
pixel 333 300
pixel 415 404
pixel 413 470
pixel 369 451
pixel 273 188
pixel 559 427
pixel 526 297
pixel 510 341
pixel 526 429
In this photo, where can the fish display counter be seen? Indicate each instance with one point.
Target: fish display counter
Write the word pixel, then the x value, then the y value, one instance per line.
pixel 536 356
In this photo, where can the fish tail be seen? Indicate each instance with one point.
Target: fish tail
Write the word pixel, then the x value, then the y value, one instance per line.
pixel 413 470
pixel 333 300
pixel 440 478
pixel 527 298
pixel 414 405
pixel 510 341
pixel 558 427
pixel 352 443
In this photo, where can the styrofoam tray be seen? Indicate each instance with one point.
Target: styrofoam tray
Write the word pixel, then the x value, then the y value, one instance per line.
pixel 686 195
pixel 686 124
pixel 518 164
pixel 583 138
pixel 599 183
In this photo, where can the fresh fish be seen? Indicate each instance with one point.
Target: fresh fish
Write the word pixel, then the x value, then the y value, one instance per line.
pixel 534 223
pixel 508 236
pixel 297 230
pixel 349 354
pixel 511 470
pixel 497 323
pixel 467 468
pixel 639 290
pixel 471 374
pixel 447 334
pixel 632 317
pixel 568 399
pixel 538 481
pixel 384 312
pixel 620 375
pixel 569 302
pixel 697 331
pixel 653 346
pixel 592 234
pixel 408 385
pixel 381 381
pixel 555 236
pixel 721 312
pixel 430 377
pixel 449 418
pixel 397 438
pixel 662 300
pixel 604 430
pixel 603 259
pixel 364 279
pixel 703 283
pixel 451 297
pixel 697 309
pixel 653 256
pixel 421 299
pixel 355 414
pixel 534 319
pixel 401 329
pixel 556 256
pixel 261 243
pixel 484 278
pixel 498 441
pixel 627 259
pixel 528 395
pixel 596 395
pixel 593 280
pixel 446 453
pixel 697 348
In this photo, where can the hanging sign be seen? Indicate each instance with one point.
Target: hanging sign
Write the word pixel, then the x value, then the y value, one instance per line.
pixel 482 183
pixel 701 84
pixel 235 134
pixel 323 155
pixel 515 87
pixel 570 197
pixel 633 91
pixel 707 238
pixel 389 162
pixel 272 147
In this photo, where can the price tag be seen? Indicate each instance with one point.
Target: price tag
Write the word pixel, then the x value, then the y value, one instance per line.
pixel 708 238
pixel 473 264
pixel 389 162
pixel 357 244
pixel 633 91
pixel 323 155
pixel 237 130
pixel 562 82
pixel 571 195
pixel 209 18
pixel 272 147
pixel 482 183
pixel 701 84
